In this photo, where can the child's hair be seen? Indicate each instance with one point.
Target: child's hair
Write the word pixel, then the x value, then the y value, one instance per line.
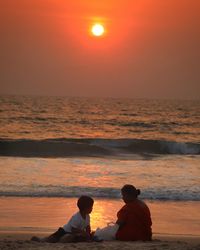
pixel 130 190
pixel 85 202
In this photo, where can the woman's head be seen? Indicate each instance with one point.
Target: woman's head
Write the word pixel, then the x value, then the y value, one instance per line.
pixel 129 193
pixel 85 203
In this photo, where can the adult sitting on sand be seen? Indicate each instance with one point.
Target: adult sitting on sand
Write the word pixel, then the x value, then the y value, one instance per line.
pixel 134 219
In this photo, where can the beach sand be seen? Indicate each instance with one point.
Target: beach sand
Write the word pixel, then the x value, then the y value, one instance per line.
pixel 22 241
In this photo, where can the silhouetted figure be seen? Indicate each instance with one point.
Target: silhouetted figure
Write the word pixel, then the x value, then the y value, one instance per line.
pixel 77 229
pixel 134 218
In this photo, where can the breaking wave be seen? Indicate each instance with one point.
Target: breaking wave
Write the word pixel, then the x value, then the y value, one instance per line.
pixel 163 194
pixel 62 147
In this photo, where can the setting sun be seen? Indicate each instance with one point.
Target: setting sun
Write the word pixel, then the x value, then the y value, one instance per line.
pixel 97 29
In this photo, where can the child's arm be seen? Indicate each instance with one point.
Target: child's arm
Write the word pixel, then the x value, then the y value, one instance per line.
pixel 88 230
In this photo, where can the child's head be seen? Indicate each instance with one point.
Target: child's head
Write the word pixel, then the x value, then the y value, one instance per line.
pixel 85 204
pixel 129 193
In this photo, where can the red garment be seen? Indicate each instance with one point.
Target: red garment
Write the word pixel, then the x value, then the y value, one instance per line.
pixel 137 222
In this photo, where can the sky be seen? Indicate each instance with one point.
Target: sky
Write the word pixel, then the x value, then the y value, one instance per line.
pixel 150 49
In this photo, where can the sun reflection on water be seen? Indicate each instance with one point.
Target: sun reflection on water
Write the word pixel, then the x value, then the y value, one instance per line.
pixel 104 211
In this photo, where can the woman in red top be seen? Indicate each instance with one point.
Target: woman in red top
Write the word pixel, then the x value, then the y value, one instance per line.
pixel 134 219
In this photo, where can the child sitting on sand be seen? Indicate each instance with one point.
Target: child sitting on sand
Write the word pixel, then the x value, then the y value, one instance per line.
pixel 78 227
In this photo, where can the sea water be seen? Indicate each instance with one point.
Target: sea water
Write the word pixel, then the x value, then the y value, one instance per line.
pixel 59 147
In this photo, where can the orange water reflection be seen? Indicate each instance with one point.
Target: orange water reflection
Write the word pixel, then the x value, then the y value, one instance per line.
pixel 47 214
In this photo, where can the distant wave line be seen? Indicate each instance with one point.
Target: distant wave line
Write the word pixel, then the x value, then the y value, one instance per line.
pixel 63 147
pixel 98 192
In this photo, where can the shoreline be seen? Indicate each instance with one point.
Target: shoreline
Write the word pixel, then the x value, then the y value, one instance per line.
pixel 47 214
pixel 175 224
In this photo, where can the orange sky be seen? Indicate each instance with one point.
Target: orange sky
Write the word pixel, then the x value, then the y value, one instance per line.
pixel 151 48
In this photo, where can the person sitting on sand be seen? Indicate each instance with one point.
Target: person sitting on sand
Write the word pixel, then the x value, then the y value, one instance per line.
pixel 78 227
pixel 134 219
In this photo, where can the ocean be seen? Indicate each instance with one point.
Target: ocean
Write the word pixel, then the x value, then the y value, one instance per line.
pixel 61 147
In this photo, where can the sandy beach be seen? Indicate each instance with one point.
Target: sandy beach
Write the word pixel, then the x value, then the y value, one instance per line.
pixel 22 241
pixel 21 218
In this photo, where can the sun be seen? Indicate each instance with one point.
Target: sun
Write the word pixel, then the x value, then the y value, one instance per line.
pixel 97 29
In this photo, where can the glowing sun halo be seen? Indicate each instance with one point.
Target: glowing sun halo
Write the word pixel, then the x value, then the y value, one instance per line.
pixel 97 29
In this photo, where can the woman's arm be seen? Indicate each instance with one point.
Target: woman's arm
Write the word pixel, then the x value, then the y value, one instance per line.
pixel 121 217
pixel 120 222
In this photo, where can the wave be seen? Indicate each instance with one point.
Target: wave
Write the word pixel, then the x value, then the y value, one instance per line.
pixel 132 124
pixel 162 194
pixel 62 147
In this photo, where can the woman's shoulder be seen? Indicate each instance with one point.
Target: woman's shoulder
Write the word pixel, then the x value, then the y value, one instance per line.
pixel 136 203
pixel 123 208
